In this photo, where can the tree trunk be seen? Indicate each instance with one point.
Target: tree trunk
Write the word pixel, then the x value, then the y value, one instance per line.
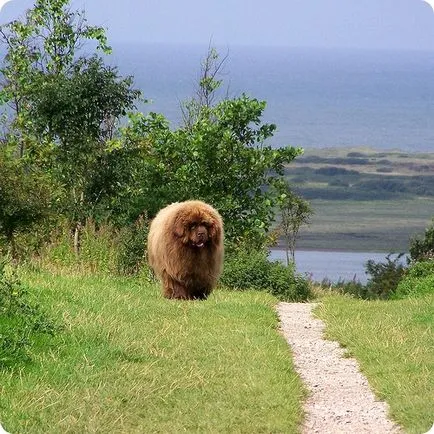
pixel 12 245
pixel 77 233
pixel 287 254
pixel 77 229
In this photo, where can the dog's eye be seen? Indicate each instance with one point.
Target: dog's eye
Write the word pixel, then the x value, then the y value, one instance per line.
pixel 193 226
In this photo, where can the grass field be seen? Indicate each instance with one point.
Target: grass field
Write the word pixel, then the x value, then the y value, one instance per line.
pixel 129 361
pixel 364 200
pixel 393 342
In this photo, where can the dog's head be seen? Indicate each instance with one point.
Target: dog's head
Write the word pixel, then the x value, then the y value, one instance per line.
pixel 197 228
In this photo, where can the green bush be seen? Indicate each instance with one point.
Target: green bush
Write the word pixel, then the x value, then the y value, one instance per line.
pixel 132 252
pixel 21 321
pixel 247 269
pixel 423 248
pixel 385 277
pixel 418 281
pixel 382 284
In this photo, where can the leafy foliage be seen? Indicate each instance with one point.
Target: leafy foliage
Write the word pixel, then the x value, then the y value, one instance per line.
pixel 133 240
pixel 66 106
pixel 23 197
pixel 21 322
pixel 385 276
pixel 418 280
pixel 423 248
pixel 79 112
pixel 44 43
pixel 382 283
pixel 247 269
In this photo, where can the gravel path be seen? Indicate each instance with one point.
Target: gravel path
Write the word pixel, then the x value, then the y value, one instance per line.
pixel 340 400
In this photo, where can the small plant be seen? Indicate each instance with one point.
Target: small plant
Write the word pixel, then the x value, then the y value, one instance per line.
pixel 294 212
pixel 133 239
pixel 385 276
pixel 20 321
pixel 423 248
pixel 247 269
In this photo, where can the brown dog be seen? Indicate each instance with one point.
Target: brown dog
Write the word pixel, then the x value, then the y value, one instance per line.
pixel 185 249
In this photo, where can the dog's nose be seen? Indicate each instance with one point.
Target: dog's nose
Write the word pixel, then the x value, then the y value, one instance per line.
pixel 201 233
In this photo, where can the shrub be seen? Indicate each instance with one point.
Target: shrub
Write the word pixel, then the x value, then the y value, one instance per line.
pixel 246 269
pixel 132 252
pixel 423 248
pixel 21 322
pixel 385 276
pixel 382 284
pixel 418 281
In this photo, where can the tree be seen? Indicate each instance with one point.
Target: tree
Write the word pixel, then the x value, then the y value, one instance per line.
pixel 294 212
pixel 218 156
pixel 79 112
pixel 45 42
pixel 208 85
pixel 67 106
pixel 24 198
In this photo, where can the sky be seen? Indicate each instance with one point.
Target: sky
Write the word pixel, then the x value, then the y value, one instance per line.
pixel 359 24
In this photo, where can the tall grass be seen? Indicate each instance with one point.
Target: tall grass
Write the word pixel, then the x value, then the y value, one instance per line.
pixel 393 342
pixel 130 361
pixel 104 249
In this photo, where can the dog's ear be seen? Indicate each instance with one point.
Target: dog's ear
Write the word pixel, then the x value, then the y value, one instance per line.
pixel 179 228
pixel 214 231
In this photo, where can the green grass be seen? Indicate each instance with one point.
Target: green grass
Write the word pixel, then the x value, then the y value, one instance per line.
pixel 130 361
pixel 393 342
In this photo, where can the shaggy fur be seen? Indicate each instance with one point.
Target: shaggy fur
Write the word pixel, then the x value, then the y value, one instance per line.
pixel 185 249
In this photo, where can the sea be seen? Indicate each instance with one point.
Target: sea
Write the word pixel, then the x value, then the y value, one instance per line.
pixel 334 266
pixel 318 98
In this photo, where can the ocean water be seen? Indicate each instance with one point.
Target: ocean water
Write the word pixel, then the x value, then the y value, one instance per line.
pixel 333 266
pixel 316 97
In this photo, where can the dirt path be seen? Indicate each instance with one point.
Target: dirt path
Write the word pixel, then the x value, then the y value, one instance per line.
pixel 340 400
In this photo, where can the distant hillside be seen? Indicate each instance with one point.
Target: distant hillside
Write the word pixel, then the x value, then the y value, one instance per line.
pixel 364 199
